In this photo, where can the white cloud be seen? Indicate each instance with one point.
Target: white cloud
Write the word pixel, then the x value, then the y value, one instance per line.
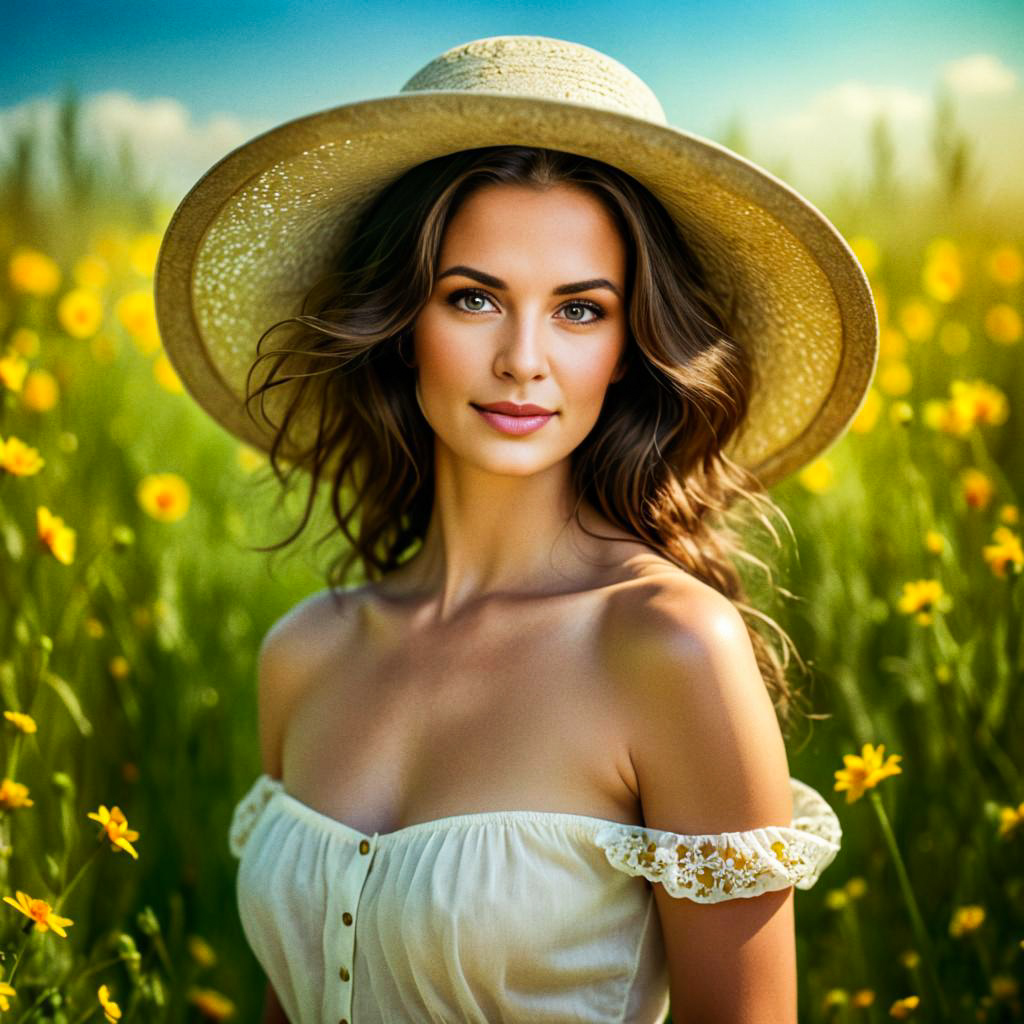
pixel 979 74
pixel 170 147
pixel 826 141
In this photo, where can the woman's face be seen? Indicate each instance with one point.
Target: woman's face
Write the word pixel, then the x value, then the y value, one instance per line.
pixel 528 307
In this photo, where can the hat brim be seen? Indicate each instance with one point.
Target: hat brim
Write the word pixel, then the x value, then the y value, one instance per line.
pixel 265 222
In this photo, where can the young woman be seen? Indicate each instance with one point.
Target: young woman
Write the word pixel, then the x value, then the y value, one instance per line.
pixel 531 766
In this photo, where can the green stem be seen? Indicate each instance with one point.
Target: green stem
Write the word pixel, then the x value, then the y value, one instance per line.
pixel 916 920
pixel 78 874
pixel 24 942
pixel 46 993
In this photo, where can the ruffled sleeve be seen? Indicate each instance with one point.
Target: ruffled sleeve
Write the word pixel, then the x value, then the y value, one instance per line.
pixel 248 810
pixel 729 865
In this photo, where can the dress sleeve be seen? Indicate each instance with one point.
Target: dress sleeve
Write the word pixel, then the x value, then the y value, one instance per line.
pixel 730 865
pixel 248 810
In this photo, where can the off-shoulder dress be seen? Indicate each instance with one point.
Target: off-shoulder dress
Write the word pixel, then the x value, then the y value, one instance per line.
pixel 529 917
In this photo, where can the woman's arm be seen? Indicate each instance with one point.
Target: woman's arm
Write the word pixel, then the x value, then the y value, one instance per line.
pixel 273 1013
pixel 710 758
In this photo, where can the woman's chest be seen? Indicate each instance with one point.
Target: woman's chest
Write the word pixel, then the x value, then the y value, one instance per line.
pixel 513 712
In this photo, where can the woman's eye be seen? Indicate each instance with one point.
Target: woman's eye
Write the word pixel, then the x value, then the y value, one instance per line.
pixel 470 297
pixel 578 308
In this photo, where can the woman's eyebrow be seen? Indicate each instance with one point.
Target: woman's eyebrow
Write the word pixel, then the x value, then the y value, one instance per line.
pixel 562 289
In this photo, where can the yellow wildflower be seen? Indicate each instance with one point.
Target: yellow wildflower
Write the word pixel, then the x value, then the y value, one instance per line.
pixel 1005 551
pixel 1009 514
pixel 14 795
pixel 41 912
pixel 119 666
pixel 934 542
pixel 40 392
pixel 58 538
pixel 817 476
pixel 979 402
pixel 1010 818
pixel 26 723
pixel 867 414
pixel 856 887
pixel 166 375
pixel 201 951
pixel 1003 986
pixel 12 371
pixel 33 272
pixel 977 488
pixel 835 997
pixel 862 998
pixel 865 771
pixel 866 251
pixel 165 496
pixel 942 276
pixel 80 312
pixel 19 458
pixel 921 597
pixel 111 1011
pixel 144 252
pixel 954 338
pixel 25 342
pixel 836 899
pixel 137 313
pixel 917 320
pixel 966 920
pixel 91 271
pixel 94 627
pixel 901 413
pixel 211 1004
pixel 111 247
pixel 910 958
pixel 903 1008
pixel 895 378
pixel 116 827
pixel 892 344
pixel 1003 324
pixel 1005 265
pixel 5 991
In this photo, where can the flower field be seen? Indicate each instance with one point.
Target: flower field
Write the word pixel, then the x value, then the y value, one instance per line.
pixel 132 607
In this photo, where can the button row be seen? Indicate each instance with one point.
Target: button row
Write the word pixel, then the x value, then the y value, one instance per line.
pixel 364 847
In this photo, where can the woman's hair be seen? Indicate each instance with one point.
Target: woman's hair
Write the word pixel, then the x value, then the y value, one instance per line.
pixel 653 462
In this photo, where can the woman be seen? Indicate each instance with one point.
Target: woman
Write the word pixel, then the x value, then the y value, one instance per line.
pixel 532 768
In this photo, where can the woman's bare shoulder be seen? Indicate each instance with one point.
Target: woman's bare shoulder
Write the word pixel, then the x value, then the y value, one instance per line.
pixel 293 652
pixel 657 609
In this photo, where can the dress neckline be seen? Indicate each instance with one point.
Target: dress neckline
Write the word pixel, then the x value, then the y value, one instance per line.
pixel 578 822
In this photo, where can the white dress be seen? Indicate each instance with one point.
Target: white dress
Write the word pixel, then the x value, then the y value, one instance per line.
pixel 498 916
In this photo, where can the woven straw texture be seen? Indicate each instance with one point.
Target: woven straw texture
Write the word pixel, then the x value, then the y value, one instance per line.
pixel 266 221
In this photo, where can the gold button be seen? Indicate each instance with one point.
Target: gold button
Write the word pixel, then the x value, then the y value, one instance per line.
pixel 343 974
pixel 346 917
pixel 364 847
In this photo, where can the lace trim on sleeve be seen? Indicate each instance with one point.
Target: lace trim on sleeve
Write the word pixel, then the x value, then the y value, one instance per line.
pixel 712 868
pixel 248 810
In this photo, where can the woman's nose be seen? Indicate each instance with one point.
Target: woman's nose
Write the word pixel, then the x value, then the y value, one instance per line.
pixel 521 350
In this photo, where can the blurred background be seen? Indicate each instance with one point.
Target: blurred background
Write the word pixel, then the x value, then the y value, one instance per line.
pixel 133 606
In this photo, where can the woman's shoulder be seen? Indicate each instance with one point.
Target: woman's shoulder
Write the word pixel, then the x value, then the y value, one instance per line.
pixel 660 606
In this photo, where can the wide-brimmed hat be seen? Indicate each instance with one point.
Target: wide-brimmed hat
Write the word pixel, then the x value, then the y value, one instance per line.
pixel 270 218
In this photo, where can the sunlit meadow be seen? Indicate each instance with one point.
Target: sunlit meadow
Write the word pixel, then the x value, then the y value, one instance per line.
pixel 132 610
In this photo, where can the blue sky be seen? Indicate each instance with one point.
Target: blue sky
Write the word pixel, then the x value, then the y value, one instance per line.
pixel 261 63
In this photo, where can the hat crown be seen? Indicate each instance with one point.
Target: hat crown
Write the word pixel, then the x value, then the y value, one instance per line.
pixel 540 67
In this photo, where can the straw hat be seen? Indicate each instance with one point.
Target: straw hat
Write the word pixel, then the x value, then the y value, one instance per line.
pixel 263 224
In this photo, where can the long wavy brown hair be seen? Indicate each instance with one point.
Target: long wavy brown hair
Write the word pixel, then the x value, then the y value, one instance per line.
pixel 653 463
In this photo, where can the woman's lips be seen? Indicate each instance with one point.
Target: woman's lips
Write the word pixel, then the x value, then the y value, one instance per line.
pixel 508 424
